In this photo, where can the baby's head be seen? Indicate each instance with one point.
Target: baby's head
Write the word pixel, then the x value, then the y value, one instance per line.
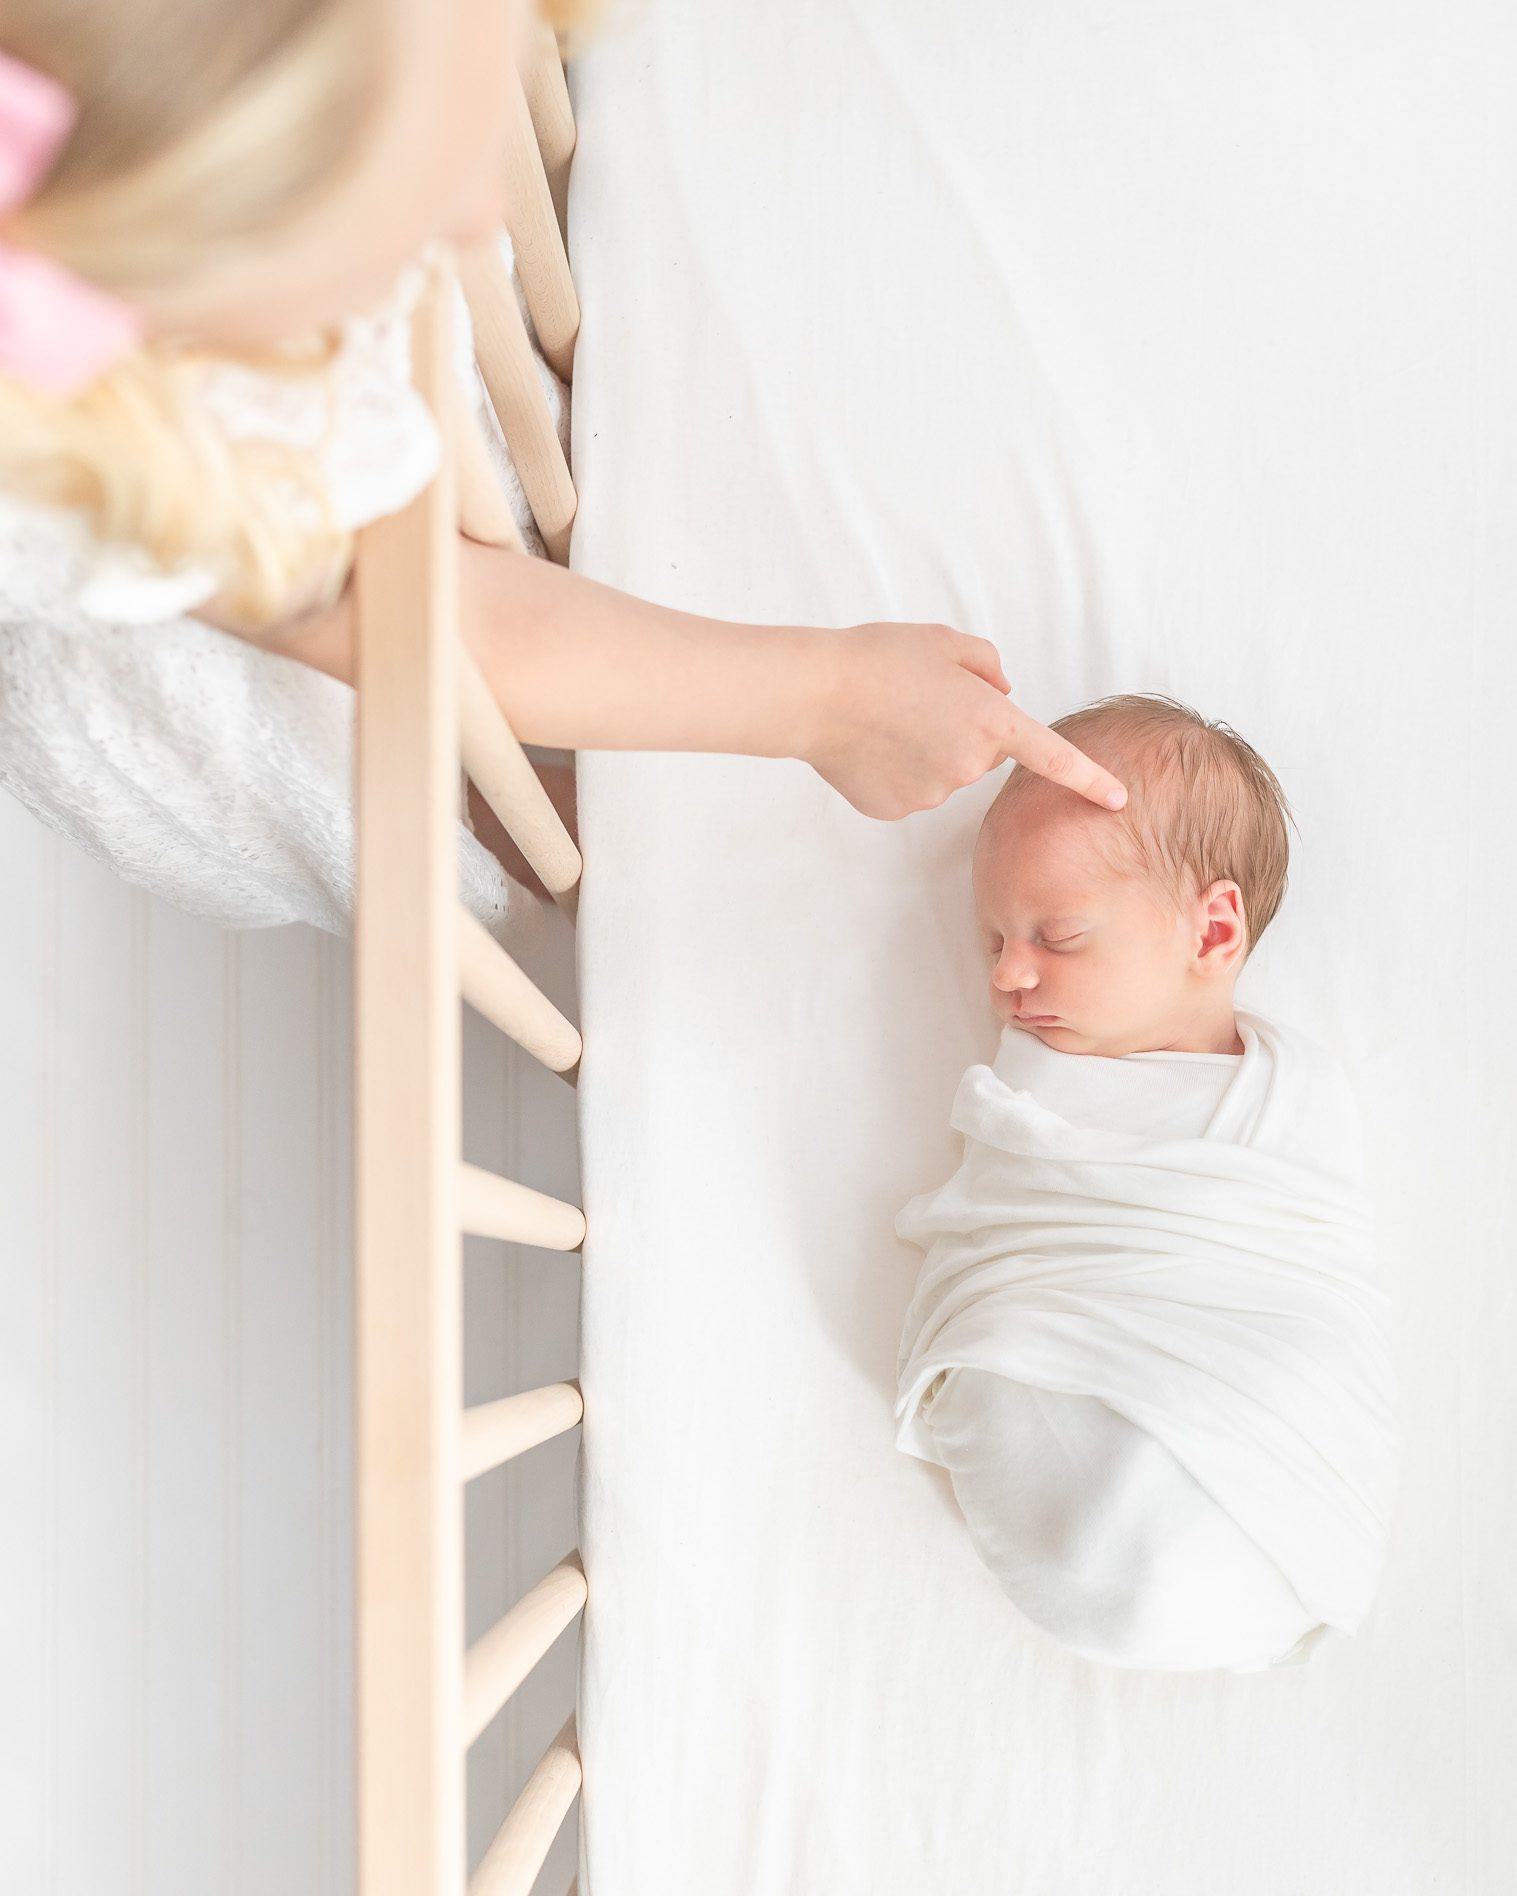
pixel 1130 927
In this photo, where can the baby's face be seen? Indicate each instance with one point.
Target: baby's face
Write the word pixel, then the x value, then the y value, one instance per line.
pixel 1103 954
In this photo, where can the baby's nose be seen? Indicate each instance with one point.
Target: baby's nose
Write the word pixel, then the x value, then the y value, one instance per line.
pixel 1008 975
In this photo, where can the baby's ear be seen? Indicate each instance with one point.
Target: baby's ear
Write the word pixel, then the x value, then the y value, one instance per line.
pixel 1224 927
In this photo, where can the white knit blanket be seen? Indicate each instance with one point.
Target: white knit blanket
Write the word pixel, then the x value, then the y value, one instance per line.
pixel 213 773
pixel 1218 1292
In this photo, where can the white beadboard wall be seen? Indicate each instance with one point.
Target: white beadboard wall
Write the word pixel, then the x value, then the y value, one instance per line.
pixel 175 1441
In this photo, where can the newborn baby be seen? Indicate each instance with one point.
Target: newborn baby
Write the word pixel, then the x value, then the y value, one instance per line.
pixel 1147 1343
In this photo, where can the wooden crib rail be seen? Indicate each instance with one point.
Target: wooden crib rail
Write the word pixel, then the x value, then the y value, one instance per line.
pixel 499 768
pixel 509 369
pixel 484 513
pixel 407 1293
pixel 500 1659
pixel 542 262
pixel 510 1866
pixel 548 102
pixel 492 1207
pixel 424 709
pixel 496 1432
pixel 494 986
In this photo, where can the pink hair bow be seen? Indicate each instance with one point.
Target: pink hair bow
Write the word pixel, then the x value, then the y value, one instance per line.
pixel 56 331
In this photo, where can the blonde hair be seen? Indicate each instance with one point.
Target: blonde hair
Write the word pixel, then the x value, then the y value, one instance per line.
pixel 203 131
pixel 1202 804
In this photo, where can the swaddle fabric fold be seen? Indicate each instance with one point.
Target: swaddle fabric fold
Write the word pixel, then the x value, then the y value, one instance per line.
pixel 1219 1292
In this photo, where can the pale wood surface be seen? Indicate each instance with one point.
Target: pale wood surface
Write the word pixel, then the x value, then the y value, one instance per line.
pixel 541 260
pixel 496 1432
pixel 495 1207
pixel 423 707
pixel 547 92
pixel 504 777
pixel 500 1659
pixel 409 1525
pixel 521 406
pixel 494 985
pixel 510 1866
pixel 484 513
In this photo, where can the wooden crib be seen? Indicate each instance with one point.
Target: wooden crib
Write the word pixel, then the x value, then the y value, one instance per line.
pixel 425 713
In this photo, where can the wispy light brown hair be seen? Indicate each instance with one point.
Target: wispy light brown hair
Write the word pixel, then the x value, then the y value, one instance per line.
pixel 1202 804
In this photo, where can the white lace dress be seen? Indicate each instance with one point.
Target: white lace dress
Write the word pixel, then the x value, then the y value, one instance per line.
pixel 200 767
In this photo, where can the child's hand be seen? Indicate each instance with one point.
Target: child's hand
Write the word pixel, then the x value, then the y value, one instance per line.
pixel 919 711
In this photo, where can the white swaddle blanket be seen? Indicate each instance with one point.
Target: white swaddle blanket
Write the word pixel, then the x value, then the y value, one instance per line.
pixel 1216 1292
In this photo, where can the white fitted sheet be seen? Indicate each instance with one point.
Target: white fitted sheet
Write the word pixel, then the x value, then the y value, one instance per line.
pixel 1171 346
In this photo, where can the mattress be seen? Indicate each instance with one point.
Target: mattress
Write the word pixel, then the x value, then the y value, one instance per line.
pixel 1170 346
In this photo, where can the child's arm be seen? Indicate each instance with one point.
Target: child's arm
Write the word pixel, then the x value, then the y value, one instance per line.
pixel 896 717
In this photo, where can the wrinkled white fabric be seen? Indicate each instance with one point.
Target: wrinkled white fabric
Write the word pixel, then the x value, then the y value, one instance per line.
pixel 1168 346
pixel 1217 1293
pixel 1100 1537
pixel 212 773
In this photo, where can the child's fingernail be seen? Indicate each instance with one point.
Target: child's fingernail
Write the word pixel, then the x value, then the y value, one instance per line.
pixel 1116 799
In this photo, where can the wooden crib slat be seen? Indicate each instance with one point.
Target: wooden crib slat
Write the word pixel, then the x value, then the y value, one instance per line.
pixel 484 513
pixel 497 1432
pixel 494 1207
pixel 506 780
pixel 500 1659
pixel 408 1577
pixel 542 263
pixel 547 91
pixel 494 985
pixel 510 1865
pixel 521 404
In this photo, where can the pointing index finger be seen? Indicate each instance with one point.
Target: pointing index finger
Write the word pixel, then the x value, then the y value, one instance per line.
pixel 1047 754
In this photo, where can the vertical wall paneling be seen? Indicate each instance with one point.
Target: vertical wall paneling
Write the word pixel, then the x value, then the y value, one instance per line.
pixel 28 1116
pixel 175 1393
pixel 95 1475
pixel 279 1377
pixel 335 1844
pixel 188 1411
pixel 231 1369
